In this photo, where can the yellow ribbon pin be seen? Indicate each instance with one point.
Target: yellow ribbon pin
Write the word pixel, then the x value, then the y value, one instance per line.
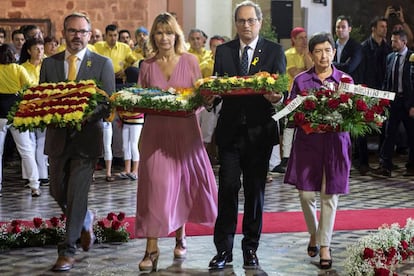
pixel 255 61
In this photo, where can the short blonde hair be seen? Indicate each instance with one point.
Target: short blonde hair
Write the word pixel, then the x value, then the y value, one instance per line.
pixel 170 23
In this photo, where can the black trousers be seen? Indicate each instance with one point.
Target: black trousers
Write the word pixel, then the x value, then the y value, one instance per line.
pixel 251 160
pixel 398 113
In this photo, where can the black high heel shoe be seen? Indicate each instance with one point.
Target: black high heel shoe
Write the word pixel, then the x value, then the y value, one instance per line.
pixel 326 263
pixel 313 250
pixel 150 261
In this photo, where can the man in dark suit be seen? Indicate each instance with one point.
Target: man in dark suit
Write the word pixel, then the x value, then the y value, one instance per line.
pixel 348 58
pixel 245 135
pixel 398 78
pixel 73 154
pixel 348 54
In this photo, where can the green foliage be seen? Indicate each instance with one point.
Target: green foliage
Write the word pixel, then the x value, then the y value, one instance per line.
pixel 268 31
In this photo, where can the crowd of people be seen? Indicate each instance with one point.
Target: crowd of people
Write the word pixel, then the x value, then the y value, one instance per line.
pixel 238 132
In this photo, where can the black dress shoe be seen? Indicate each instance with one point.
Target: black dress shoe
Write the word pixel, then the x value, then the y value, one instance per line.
pixel 250 259
pixel 382 171
pixel 220 260
pixel 63 263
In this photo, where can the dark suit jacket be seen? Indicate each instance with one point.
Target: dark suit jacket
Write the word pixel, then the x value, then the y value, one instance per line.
pixel 351 58
pixel 88 142
pixel 407 81
pixel 255 111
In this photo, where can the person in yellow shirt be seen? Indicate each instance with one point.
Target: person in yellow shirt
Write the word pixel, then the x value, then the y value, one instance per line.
pixel 297 58
pixel 122 58
pixel 13 78
pixel 197 40
pixel 35 50
pixel 208 120
pixel 297 61
pixel 141 38
pixel 120 53
pixel 51 46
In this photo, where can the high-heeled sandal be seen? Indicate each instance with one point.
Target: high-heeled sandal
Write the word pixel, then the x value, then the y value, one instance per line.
pixel 180 249
pixel 326 263
pixel 313 250
pixel 150 261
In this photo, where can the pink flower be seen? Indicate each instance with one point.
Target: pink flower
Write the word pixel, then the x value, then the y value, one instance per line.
pixel 333 103
pixel 62 217
pixel 361 105
pixel 111 216
pixel 37 222
pixel 101 224
pixel 346 79
pixel 121 216
pixel 116 225
pixel 309 105
pixel 299 118
pixel 16 229
pixel 54 221
pixel 15 222
pixel 368 253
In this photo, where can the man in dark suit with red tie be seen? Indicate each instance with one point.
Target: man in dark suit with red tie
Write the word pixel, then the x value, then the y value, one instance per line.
pixel 72 153
pixel 399 79
pixel 245 135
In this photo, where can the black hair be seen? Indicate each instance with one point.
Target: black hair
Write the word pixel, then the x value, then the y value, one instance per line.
pixel 319 38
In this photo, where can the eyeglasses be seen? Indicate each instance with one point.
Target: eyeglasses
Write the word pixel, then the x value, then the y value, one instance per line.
pixel 250 21
pixel 80 32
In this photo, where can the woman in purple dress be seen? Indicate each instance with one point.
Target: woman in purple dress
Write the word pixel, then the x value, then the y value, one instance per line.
pixel 176 183
pixel 319 162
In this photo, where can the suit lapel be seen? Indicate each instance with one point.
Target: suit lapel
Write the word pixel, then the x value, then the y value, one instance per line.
pixel 60 66
pixel 257 57
pixel 84 66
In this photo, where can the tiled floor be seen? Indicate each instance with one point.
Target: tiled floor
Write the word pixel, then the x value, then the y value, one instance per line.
pixel 279 254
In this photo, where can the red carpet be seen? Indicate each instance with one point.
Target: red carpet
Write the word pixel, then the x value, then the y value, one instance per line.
pixel 282 222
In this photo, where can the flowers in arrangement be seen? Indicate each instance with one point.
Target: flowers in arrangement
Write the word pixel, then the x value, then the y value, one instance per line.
pixel 381 252
pixel 40 232
pixel 175 99
pixel 326 109
pixel 111 229
pixel 260 83
pixel 62 104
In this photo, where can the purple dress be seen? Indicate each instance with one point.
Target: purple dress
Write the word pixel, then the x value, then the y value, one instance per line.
pixel 311 153
pixel 176 183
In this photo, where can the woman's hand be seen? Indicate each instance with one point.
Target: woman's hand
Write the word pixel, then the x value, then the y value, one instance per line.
pixel 273 97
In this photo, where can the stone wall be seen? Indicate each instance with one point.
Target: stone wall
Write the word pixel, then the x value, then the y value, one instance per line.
pixel 126 14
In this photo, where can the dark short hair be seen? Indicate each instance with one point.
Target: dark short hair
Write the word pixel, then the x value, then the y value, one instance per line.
pixel 15 32
pixel 346 18
pixel 110 28
pixel 6 54
pixel 33 41
pixel 374 22
pixel 78 15
pixel 319 38
pixel 401 33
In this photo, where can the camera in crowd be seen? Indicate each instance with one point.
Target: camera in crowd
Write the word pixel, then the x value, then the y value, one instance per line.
pixel 395 11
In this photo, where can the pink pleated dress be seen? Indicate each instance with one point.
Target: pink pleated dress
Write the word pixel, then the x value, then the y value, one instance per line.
pixel 176 183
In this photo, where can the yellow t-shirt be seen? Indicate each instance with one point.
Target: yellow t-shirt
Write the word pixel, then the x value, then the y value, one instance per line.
pixel 293 59
pixel 121 54
pixel 207 67
pixel 204 55
pixel 33 71
pixel 13 77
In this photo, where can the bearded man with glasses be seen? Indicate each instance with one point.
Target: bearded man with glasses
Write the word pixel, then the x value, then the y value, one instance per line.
pixel 72 153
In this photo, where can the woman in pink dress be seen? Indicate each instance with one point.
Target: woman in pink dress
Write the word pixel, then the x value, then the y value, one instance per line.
pixel 176 183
